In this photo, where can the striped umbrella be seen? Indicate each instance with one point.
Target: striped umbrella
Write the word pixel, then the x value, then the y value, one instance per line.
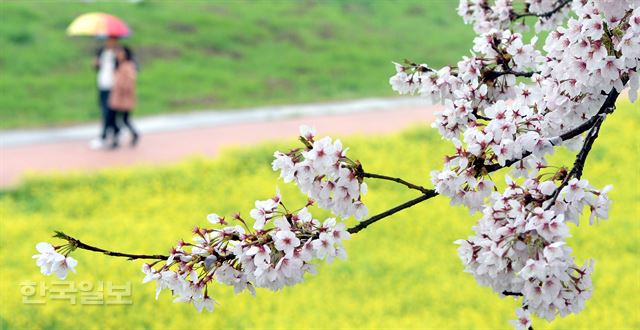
pixel 98 25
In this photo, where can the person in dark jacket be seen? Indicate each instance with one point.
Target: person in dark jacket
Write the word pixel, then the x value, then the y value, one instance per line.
pixel 105 64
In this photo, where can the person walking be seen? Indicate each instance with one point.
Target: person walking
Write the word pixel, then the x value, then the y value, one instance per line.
pixel 105 64
pixel 122 98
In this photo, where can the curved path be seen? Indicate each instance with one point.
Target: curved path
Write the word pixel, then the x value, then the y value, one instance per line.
pixel 205 133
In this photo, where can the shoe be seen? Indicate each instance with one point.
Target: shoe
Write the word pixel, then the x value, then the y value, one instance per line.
pixel 134 140
pixel 97 144
pixel 114 144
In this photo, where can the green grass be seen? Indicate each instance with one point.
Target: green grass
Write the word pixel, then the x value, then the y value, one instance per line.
pixel 219 54
pixel 401 272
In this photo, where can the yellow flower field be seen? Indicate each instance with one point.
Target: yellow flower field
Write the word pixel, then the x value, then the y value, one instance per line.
pixel 402 272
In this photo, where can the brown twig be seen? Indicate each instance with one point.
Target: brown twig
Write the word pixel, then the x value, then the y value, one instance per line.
pixel 77 244
pixel 581 158
pixel 364 224
pixel 509 293
pixel 398 180
pixel 492 75
pixel 547 14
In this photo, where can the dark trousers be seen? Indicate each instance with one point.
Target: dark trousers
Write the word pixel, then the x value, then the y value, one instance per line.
pixel 108 115
pixel 124 116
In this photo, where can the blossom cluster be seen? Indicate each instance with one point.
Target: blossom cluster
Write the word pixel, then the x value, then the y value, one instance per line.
pixel 476 83
pixel 495 119
pixel 277 251
pixel 51 261
pixel 519 245
pixel 500 15
pixel 324 172
pixel 583 61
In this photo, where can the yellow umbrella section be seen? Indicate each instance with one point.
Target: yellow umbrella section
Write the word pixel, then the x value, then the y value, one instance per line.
pixel 97 24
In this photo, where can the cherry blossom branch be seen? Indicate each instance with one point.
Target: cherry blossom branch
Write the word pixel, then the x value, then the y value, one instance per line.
pixel 607 107
pixel 409 185
pixel 562 4
pixel 77 244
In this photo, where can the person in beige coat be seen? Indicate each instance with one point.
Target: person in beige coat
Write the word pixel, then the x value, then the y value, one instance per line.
pixel 122 99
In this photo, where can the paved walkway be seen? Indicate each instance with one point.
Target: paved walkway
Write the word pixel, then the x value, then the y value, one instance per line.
pixel 171 138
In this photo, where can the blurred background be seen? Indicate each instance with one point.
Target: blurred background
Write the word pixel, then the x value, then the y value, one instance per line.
pixel 218 54
pixel 233 56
